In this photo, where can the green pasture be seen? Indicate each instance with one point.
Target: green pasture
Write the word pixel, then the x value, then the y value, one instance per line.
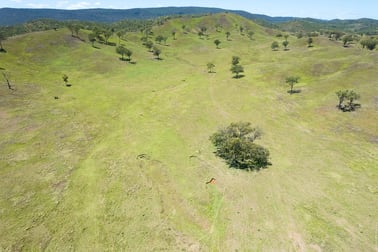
pixel 119 162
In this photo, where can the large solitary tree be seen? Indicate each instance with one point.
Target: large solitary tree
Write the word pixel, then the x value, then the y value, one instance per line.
pixel 235 144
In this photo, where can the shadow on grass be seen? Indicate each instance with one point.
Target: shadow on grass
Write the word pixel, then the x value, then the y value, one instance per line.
pixel 239 76
pixel 294 91
pixel 2 50
pixel 68 85
pixel 96 47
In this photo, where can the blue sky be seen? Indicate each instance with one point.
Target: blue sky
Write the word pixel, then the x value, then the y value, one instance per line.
pixel 324 9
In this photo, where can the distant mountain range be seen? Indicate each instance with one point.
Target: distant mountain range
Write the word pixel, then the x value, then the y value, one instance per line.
pixel 11 16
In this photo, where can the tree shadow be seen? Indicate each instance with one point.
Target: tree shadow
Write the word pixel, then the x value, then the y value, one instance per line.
pixel 1 68
pixel 133 62
pixel 294 91
pixel 286 49
pixel 350 108
pixel 159 58
pixel 96 47
pixel 68 85
pixel 238 76
pixel 2 50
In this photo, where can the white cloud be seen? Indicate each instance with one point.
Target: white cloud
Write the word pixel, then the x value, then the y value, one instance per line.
pixel 37 5
pixel 16 1
pixel 61 4
pixel 83 5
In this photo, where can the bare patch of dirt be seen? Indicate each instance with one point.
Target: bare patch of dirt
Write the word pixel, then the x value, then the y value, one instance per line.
pixel 298 241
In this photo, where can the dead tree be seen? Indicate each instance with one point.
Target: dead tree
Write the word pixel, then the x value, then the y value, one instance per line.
pixel 6 77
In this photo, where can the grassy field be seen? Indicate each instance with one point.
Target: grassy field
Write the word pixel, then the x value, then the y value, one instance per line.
pixel 119 162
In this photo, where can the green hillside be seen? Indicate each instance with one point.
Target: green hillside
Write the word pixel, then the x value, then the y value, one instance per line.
pixel 119 162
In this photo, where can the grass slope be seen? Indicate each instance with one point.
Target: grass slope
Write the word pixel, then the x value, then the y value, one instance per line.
pixel 120 160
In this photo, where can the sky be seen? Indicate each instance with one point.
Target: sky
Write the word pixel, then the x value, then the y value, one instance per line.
pixel 322 9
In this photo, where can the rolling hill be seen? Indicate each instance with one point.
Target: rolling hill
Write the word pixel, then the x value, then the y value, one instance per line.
pixel 119 160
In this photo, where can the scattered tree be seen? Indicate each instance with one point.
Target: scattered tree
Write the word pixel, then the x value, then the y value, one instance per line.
pixel 149 44
pixel 286 36
pixel 336 35
pixel 217 43
pixel 128 54
pixel 275 46
pixel 77 28
pixel 2 38
pixel 201 34
pixel 241 29
pixel 369 43
pixel 120 35
pixel 346 39
pixel 285 44
pixel 174 35
pixel 107 35
pixel 156 52
pixel 341 94
pixel 291 80
pixel 210 67
pixel 250 34
pixel 70 27
pixel 65 79
pixel 7 79
pixel 237 69
pixel 122 51
pixel 310 41
pixel 235 60
pixel 92 38
pixel 228 34
pixel 159 38
pixel 350 96
pixel 235 144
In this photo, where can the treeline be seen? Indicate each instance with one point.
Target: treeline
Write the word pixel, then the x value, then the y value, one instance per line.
pixel 50 24
pixel 360 26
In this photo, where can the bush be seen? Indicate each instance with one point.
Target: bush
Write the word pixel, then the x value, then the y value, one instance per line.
pixel 235 144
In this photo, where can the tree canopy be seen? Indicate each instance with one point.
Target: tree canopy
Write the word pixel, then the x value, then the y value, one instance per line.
pixel 235 144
